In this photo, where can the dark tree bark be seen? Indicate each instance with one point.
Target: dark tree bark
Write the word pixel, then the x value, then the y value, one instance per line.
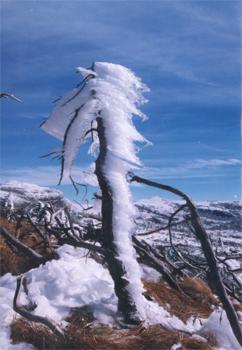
pixel 117 271
pixel 213 274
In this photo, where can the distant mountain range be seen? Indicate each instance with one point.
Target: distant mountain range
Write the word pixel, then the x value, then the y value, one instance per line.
pixel 222 219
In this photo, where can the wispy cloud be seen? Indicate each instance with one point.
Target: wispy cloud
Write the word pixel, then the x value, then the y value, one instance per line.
pixel 192 169
pixel 212 163
pixel 47 175
pixel 186 51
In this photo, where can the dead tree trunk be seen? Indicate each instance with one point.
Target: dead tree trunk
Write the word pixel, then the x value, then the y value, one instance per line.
pixel 213 273
pixel 125 304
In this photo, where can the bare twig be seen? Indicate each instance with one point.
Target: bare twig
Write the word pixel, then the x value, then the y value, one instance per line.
pixel 41 235
pixel 90 131
pixel 8 95
pixel 82 84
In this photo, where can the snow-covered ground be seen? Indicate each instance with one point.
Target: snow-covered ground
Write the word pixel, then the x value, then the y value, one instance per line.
pixel 75 281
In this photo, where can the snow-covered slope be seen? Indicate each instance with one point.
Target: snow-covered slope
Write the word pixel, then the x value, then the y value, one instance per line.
pixel 18 194
pixel 74 281
pixel 222 220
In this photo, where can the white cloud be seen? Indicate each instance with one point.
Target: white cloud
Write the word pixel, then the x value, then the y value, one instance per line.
pixel 48 175
pixel 213 163
pixel 192 169
pixel 100 28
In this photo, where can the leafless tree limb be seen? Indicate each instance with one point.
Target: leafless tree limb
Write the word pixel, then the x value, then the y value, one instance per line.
pixel 149 258
pixel 8 95
pixel 22 248
pixel 90 131
pixel 21 310
pixel 214 276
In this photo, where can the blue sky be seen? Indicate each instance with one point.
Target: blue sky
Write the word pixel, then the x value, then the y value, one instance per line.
pixel 187 52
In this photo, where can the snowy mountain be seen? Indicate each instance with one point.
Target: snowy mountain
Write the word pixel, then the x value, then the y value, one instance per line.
pixel 19 194
pixel 222 219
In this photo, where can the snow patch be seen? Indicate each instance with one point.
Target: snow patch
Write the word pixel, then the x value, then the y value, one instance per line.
pixel 218 325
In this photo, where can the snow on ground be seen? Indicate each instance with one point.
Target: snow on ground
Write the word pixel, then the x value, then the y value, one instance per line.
pixel 7 288
pixel 149 274
pixel 157 203
pixel 69 282
pixel 74 281
pixel 218 325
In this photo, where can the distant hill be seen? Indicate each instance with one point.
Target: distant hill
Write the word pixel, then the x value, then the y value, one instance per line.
pixel 222 219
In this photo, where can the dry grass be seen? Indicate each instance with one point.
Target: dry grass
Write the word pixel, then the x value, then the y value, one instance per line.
pixel 12 262
pixel 80 316
pixel 82 333
pixel 238 307
pixel 198 290
pixel 39 336
pixel 197 299
pixel 103 337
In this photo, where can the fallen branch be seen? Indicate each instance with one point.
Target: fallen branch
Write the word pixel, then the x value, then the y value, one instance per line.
pixel 21 310
pixel 41 235
pixel 21 248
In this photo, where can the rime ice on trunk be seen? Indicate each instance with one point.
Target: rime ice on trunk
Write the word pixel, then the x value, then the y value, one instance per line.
pixel 102 106
pixel 116 268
